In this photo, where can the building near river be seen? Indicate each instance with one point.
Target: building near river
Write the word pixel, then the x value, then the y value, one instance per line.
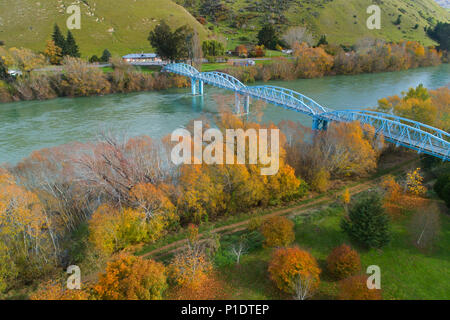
pixel 143 59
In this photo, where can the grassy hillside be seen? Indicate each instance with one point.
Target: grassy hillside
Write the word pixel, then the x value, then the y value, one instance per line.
pixel 343 21
pixel 122 26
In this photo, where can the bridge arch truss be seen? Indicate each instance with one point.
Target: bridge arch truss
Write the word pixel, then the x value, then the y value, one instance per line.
pixel 400 131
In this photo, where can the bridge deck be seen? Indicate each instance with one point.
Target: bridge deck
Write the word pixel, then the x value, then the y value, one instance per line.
pixel 401 131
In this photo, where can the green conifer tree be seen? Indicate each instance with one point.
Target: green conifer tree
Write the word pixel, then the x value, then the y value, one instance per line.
pixel 71 46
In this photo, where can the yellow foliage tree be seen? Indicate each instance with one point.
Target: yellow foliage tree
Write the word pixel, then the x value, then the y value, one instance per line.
pixel 131 278
pixel 25 231
pixel 53 52
pixel 277 231
pixel 414 183
pixel 289 265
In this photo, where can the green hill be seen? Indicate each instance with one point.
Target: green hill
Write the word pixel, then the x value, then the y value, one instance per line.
pixel 343 21
pixel 122 26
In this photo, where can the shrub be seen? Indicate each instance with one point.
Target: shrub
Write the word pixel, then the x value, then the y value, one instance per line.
pixel 131 278
pixel 355 288
pixel 212 288
pixel 343 262
pixel 289 264
pixel 54 290
pixel 80 79
pixel 255 223
pixel 367 222
pixel 277 232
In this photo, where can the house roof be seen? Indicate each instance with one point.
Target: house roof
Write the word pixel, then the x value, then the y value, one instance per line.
pixel 140 56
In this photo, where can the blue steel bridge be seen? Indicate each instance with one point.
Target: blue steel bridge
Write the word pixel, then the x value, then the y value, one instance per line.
pixel 400 131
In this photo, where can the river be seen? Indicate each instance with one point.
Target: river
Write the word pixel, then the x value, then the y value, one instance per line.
pixel 32 125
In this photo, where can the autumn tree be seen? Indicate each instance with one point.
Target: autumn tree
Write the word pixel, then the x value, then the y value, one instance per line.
pixel 112 229
pixel 53 52
pixel 213 288
pixel 355 288
pixel 311 62
pixel 160 213
pixel 131 278
pixel 80 79
pixel 277 231
pixel 420 105
pixel 367 222
pixel 414 182
pixel 289 266
pixel 394 199
pixel 343 262
pixel 241 50
pixel 191 268
pixel 346 198
pixel 345 149
pixel 55 290
pixel 25 60
pixel 27 235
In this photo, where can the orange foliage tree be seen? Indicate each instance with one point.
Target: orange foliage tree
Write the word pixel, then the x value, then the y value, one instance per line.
pixel 311 62
pixel 396 201
pixel 277 231
pixel 288 265
pixel 211 288
pixel 53 290
pixel 355 288
pixel 191 267
pixel 343 262
pixel 130 277
pixel 26 246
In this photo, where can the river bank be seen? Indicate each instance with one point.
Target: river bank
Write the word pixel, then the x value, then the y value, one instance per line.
pixel 32 125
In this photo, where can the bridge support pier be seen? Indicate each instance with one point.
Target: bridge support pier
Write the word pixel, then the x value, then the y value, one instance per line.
pixel 319 124
pixel 247 104
pixel 237 104
pixel 193 86
pixel 200 87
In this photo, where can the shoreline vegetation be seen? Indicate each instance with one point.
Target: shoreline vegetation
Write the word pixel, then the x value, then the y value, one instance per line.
pixel 77 78
pixel 103 204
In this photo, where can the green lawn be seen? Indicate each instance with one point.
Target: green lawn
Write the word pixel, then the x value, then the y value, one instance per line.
pixel 406 273
pixel 144 69
pixel 214 66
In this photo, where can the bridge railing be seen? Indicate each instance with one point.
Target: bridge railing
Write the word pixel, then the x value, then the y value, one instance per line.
pixel 418 125
pixel 401 131
pixel 398 132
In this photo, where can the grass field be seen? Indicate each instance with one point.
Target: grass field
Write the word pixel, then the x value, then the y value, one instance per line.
pixel 122 26
pixel 406 272
pixel 342 21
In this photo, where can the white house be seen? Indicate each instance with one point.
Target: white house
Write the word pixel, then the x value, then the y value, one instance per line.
pixel 143 59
